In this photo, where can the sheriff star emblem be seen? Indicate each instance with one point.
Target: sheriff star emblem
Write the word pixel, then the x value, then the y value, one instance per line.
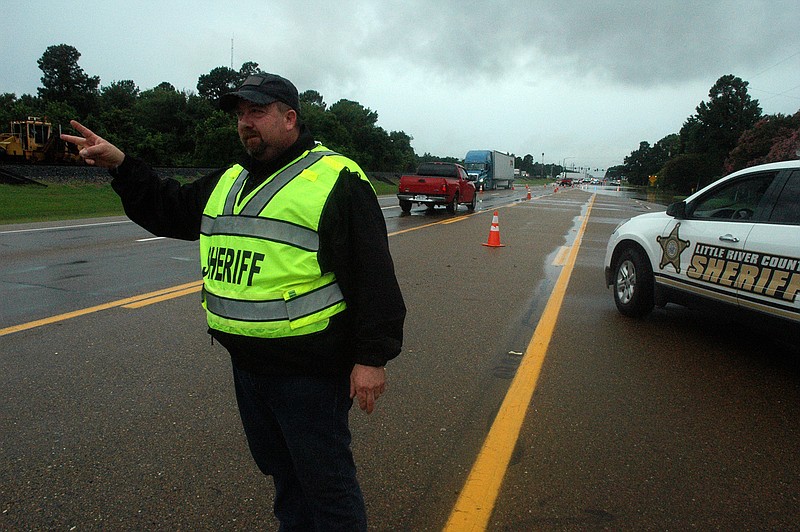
pixel 671 249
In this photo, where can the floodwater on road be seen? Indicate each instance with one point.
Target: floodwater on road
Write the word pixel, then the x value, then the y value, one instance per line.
pixel 651 195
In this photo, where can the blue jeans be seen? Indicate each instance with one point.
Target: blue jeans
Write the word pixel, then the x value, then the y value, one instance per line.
pixel 297 429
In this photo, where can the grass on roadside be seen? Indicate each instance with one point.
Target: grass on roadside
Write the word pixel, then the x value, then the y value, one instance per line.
pixel 30 203
pixel 382 188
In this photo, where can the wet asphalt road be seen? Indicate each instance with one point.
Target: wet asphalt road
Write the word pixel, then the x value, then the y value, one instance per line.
pixel 124 418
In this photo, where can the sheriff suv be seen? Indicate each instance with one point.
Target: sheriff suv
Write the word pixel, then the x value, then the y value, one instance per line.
pixel 734 245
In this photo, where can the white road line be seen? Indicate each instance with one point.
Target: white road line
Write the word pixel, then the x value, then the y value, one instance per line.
pixel 56 228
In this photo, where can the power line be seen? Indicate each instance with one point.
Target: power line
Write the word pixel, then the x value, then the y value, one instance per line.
pixel 776 64
pixel 776 94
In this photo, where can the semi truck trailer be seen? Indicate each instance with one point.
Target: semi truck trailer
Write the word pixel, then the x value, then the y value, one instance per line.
pixel 489 169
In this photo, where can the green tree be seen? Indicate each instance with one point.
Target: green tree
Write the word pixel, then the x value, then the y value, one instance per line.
pixel 119 95
pixel 159 109
pixel 429 157
pixel 689 135
pixel 756 145
pixel 165 86
pixel 7 99
pixel 200 111
pixel 640 164
pixel 154 147
pixel 662 152
pixel 223 79
pixel 217 142
pixel 525 163
pixel 161 114
pixel 356 135
pixel 219 81
pixel 667 147
pixel 64 81
pixel 402 154
pixel 312 113
pixel 8 110
pixel 248 69
pixel 13 108
pixel 59 114
pixel 615 172
pixel 729 112
pixel 168 127
pixel 114 117
pixel 312 99
pixel 688 172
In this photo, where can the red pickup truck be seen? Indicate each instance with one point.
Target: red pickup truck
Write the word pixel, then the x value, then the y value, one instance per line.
pixel 437 183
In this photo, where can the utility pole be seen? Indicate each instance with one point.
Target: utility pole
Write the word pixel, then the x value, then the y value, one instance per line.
pixel 542 165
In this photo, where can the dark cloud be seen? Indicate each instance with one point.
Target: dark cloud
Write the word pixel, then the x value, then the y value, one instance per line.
pixel 588 78
pixel 630 43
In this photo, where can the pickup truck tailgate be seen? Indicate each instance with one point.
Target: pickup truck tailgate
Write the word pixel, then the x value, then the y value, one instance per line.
pixel 422 185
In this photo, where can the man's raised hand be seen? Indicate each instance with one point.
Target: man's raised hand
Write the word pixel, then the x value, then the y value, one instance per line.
pixel 94 149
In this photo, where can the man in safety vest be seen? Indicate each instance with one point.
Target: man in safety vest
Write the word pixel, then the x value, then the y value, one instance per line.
pixel 298 285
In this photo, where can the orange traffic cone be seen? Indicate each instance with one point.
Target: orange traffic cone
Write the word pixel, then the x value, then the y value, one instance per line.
pixel 494 234
pixel 529 191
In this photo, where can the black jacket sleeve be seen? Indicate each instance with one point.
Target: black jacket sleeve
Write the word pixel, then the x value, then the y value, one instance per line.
pixel 162 206
pixel 355 246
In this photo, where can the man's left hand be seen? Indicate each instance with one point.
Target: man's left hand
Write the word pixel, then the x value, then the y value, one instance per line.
pixel 367 383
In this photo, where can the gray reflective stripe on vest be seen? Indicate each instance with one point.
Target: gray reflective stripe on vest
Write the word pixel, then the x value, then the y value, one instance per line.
pixel 262 197
pixel 264 228
pixel 275 309
pixel 237 186
pixel 249 224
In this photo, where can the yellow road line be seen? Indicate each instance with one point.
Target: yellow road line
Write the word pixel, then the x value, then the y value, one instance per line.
pixel 164 297
pixel 165 293
pixel 150 298
pixel 477 499
pixel 440 222
pixel 414 228
pixel 459 218
pixel 160 295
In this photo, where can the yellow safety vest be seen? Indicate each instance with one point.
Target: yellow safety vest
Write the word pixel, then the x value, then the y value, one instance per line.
pixel 258 252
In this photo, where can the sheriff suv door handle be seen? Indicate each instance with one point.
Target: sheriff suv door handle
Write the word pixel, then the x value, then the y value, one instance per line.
pixel 728 238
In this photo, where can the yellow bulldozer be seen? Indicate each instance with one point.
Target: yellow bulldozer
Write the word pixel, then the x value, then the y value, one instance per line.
pixel 35 141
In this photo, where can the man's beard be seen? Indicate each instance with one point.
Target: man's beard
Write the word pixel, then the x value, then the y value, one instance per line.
pixel 257 150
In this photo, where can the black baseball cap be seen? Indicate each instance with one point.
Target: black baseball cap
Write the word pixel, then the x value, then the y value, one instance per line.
pixel 262 89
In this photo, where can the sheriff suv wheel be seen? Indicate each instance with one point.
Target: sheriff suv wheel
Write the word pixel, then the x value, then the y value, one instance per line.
pixel 633 284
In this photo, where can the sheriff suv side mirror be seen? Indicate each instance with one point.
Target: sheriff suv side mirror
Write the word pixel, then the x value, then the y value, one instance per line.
pixel 677 210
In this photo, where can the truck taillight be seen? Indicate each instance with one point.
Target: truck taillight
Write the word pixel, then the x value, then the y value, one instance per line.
pixel 444 187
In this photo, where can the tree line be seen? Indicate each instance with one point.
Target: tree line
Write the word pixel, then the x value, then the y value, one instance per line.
pixel 727 133
pixel 168 127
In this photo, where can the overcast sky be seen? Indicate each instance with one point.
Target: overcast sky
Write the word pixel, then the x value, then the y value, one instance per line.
pixel 581 80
